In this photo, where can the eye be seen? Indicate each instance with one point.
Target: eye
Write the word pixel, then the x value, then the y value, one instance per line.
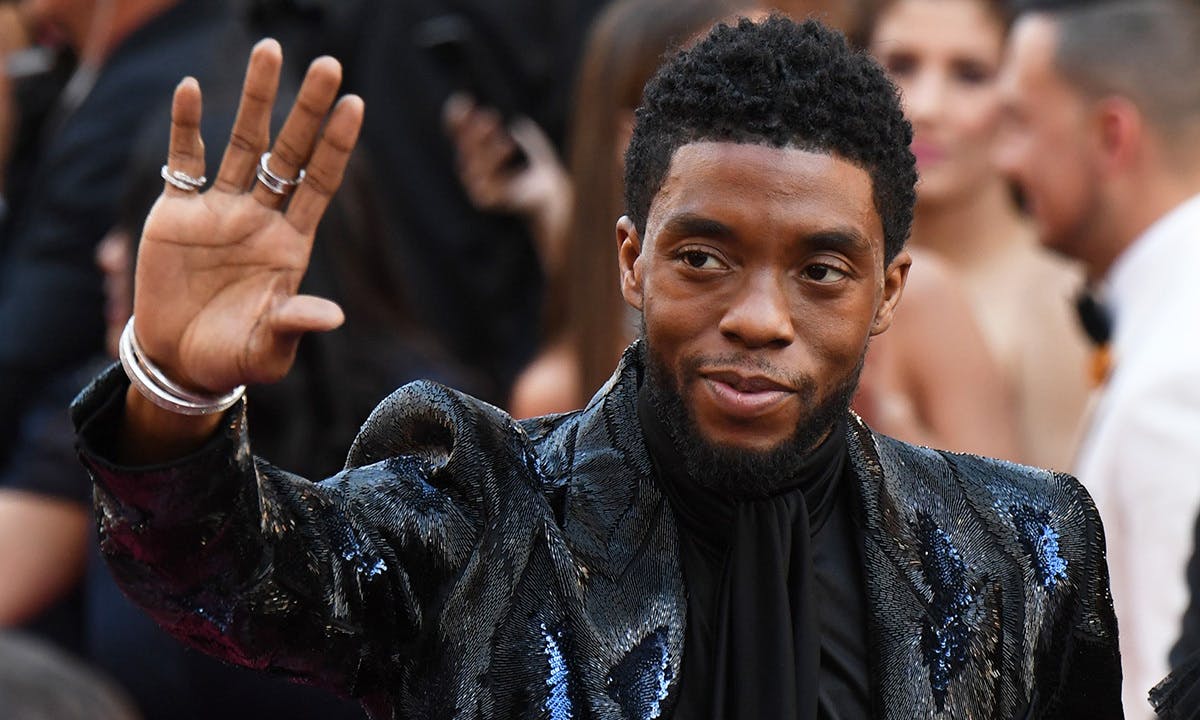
pixel 970 72
pixel 900 64
pixel 821 273
pixel 700 259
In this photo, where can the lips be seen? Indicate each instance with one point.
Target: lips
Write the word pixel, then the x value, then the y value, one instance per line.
pixel 926 153
pixel 744 396
pixel 746 383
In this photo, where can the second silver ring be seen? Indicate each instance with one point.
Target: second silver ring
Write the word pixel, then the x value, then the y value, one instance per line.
pixel 274 183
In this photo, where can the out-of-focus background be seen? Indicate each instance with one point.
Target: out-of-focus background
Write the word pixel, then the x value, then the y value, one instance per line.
pixel 473 243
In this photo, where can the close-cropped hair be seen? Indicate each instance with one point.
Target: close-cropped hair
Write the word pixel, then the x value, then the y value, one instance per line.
pixel 1144 50
pixel 781 84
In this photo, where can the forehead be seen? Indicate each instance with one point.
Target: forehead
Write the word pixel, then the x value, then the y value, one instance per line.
pixel 938 26
pixel 1031 56
pixel 1032 83
pixel 774 189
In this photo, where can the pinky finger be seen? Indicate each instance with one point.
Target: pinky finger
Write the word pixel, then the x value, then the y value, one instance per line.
pixel 327 166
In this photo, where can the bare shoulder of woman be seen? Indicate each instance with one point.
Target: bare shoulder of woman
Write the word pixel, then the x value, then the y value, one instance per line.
pixel 958 388
pixel 550 384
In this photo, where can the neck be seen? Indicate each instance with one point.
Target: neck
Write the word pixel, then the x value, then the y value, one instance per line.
pixel 968 231
pixel 1139 205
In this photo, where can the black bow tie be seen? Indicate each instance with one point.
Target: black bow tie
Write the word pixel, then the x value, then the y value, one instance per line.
pixel 1095 318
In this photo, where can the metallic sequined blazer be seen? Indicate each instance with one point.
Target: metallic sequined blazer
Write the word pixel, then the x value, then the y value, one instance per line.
pixel 468 566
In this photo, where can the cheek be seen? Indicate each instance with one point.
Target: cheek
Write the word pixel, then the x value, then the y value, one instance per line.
pixel 977 116
pixel 973 122
pixel 836 334
pixel 674 319
pixel 1060 170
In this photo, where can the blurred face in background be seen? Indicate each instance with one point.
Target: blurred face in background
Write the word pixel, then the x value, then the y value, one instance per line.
pixel 73 18
pixel 1045 144
pixel 945 56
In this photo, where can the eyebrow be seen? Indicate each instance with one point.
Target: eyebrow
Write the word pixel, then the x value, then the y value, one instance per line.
pixel 690 225
pixel 845 239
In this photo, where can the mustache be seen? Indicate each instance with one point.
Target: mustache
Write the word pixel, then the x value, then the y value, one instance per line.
pixel 746 364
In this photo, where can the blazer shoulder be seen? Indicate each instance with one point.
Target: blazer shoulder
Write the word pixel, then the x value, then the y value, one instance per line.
pixel 1001 480
pixel 431 422
pixel 1047 517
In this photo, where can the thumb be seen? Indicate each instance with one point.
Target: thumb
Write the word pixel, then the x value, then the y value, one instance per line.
pixel 305 313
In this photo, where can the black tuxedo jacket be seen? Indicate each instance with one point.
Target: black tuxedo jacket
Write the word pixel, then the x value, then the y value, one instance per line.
pixel 468 566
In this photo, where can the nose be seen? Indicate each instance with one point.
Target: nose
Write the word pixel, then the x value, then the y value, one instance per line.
pixel 923 96
pixel 760 315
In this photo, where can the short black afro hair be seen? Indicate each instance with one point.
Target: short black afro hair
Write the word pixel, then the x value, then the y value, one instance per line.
pixel 782 84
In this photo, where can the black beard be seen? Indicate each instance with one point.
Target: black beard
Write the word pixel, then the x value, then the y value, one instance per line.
pixel 736 472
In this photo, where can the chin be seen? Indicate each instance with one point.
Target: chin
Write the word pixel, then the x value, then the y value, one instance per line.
pixel 747 439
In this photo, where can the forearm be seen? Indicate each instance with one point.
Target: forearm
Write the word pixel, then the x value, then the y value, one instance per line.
pixel 43 545
pixel 246 562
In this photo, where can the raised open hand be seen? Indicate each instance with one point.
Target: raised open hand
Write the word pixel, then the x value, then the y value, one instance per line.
pixel 216 301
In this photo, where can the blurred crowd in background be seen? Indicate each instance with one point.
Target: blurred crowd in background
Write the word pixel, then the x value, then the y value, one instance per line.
pixel 473 244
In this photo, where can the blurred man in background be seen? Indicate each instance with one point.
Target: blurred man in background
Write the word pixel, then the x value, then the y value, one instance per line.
pixel 1104 118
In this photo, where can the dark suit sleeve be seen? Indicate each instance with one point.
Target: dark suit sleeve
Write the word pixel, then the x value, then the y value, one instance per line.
pixel 1082 641
pixel 336 583
pixel 1178 696
pixel 1189 639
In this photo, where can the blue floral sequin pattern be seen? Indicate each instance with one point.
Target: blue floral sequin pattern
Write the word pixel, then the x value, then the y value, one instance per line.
pixel 641 682
pixel 558 700
pixel 946 634
pixel 1040 541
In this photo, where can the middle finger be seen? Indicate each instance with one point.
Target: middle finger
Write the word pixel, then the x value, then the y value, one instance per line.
pixel 295 143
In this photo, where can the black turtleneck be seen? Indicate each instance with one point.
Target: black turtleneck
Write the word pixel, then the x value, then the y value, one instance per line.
pixel 776 603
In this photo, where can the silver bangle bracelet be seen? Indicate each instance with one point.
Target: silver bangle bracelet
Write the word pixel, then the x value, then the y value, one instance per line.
pixel 156 387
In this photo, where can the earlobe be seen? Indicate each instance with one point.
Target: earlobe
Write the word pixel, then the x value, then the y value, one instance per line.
pixel 629 255
pixel 894 278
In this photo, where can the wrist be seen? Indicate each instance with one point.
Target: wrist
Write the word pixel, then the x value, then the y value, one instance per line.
pixel 161 390
pixel 151 435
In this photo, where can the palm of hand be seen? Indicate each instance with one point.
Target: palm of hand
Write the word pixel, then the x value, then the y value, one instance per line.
pixel 238 261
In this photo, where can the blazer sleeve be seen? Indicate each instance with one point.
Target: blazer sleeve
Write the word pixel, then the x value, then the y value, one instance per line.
pixel 1085 679
pixel 337 583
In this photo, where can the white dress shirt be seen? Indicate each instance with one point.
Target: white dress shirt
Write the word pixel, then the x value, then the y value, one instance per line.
pixel 1140 456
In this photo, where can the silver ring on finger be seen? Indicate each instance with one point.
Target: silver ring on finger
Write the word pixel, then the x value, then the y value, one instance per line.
pixel 181 180
pixel 276 184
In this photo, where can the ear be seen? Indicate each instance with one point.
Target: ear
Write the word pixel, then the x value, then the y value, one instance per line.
pixel 1120 133
pixel 629 256
pixel 894 278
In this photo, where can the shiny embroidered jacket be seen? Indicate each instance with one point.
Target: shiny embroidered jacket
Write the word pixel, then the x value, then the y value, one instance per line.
pixel 467 566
